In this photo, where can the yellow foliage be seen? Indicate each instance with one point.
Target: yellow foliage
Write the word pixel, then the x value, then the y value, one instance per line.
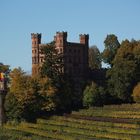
pixel 47 89
pixel 136 93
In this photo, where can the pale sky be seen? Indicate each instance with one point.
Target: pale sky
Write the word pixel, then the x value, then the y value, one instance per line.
pixel 20 18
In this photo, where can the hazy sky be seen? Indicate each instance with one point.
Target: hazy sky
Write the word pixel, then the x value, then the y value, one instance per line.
pixel 20 18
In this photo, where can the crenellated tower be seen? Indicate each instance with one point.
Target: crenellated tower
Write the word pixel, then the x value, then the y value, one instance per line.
pixel 36 41
pixel 60 41
pixel 75 55
pixel 84 39
pixel 75 58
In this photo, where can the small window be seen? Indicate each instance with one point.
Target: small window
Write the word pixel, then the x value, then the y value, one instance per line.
pixel 69 60
pixel 79 71
pixel 61 50
pixel 34 60
pixel 79 60
pixel 70 70
pixel 57 50
pixel 41 60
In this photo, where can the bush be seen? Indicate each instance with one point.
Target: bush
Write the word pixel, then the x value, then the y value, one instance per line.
pixel 136 93
pixel 12 107
pixel 93 95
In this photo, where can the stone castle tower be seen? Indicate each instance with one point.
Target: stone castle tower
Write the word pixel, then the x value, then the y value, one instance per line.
pixel 75 54
pixel 36 55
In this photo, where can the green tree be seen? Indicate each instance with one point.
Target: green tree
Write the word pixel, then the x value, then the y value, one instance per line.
pixel 93 95
pixel 53 62
pixel 13 108
pixel 66 94
pixel 120 81
pixel 94 58
pixel 111 46
pixel 125 71
pixel 54 86
pixel 136 52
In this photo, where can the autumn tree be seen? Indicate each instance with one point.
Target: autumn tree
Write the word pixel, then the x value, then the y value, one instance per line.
pixel 111 46
pixel 4 68
pixel 48 93
pixel 23 96
pixel 136 93
pixel 94 58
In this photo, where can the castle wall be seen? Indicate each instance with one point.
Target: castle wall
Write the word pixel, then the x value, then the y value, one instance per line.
pixel 75 54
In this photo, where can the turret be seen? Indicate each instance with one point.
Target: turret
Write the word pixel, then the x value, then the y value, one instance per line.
pixel 36 40
pixel 84 39
pixel 60 39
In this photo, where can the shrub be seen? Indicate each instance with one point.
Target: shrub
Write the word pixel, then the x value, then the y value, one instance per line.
pixel 93 95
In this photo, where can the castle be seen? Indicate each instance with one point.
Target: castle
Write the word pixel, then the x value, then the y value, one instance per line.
pixel 75 54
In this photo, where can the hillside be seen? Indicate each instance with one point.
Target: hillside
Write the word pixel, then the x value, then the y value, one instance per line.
pixel 115 122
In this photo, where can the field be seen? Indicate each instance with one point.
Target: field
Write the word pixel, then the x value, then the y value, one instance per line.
pixel 115 122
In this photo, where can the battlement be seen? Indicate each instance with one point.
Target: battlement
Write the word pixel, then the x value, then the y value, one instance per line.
pixel 84 38
pixel 64 34
pixel 60 38
pixel 75 54
pixel 36 39
pixel 61 35
pixel 37 35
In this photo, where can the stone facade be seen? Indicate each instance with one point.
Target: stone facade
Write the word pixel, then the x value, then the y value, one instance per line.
pixel 75 54
pixel 36 41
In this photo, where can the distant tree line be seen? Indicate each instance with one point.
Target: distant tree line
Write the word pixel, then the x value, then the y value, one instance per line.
pixel 122 75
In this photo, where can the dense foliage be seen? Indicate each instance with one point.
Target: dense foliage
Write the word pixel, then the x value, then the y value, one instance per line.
pixel 124 74
pixel 23 98
pixel 53 63
pixel 49 92
pixel 52 91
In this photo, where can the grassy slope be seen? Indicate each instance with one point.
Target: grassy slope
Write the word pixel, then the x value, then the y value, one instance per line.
pixel 107 123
